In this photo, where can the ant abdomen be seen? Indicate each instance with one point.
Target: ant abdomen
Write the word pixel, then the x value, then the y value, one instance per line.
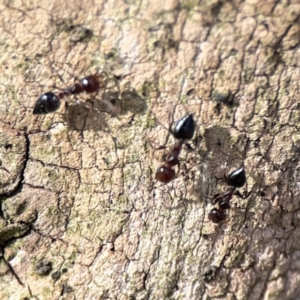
pixel 237 178
pixel 46 104
pixel 184 128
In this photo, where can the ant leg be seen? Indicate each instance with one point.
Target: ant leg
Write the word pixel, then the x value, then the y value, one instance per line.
pixel 216 198
pixel 59 68
pixel 66 106
pixel 170 117
pixel 102 73
pixel 160 147
pixel 77 100
pixel 153 147
pixel 209 198
pixel 189 147
pixel 245 195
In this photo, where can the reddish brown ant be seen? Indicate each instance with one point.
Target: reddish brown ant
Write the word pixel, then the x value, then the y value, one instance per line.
pixel 166 173
pixel 235 179
pixel 183 130
pixel 49 102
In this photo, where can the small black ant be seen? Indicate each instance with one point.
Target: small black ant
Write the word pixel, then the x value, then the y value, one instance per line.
pixel 235 179
pixel 49 102
pixel 184 130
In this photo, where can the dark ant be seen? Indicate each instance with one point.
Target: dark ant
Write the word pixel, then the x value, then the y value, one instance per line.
pixel 49 102
pixel 235 179
pixel 183 130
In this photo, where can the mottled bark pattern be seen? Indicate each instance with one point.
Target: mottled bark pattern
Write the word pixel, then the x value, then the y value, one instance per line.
pixel 81 216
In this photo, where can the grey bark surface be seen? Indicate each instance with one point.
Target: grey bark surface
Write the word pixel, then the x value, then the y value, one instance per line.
pixel 81 215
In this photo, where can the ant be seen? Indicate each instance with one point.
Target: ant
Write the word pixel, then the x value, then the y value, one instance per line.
pixel 183 130
pixel 235 179
pixel 49 102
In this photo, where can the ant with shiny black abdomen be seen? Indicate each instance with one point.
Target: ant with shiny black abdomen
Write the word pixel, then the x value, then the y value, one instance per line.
pixel 183 131
pixel 235 179
pixel 49 102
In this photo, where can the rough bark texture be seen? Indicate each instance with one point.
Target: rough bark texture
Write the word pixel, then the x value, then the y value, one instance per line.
pixel 81 214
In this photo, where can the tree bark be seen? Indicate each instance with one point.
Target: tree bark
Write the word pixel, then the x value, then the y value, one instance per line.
pixel 81 215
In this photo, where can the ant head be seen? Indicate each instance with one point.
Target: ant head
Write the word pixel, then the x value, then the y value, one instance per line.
pixel 91 83
pixel 184 128
pixel 164 174
pixel 237 178
pixel 46 104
